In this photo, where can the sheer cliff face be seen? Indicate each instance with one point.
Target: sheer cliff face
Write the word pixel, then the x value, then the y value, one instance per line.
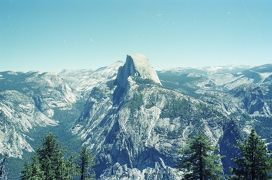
pixel 141 134
pixel 137 66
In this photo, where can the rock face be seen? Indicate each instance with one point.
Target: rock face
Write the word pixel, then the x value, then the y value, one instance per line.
pixel 244 93
pixel 83 81
pixel 136 125
pixel 136 66
pixel 140 134
pixel 30 100
pixel 27 101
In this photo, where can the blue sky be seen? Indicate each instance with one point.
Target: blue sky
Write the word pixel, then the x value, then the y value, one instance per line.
pixel 51 35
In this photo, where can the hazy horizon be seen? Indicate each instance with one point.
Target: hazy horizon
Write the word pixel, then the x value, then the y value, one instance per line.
pixel 52 36
pixel 123 61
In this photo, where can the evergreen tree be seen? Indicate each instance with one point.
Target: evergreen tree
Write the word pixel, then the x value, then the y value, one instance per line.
pixel 254 160
pixel 33 171
pixel 52 160
pixel 3 174
pixel 26 174
pixel 50 156
pixel 86 162
pixel 49 163
pixel 200 162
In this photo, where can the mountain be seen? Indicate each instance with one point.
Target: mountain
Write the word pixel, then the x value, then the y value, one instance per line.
pixel 134 119
pixel 34 99
pixel 135 126
pixel 136 66
pixel 250 87
pixel 28 100
pixel 84 80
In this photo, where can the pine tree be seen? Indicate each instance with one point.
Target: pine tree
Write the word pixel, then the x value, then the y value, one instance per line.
pixel 254 160
pixel 200 162
pixel 52 160
pixel 33 171
pixel 49 156
pixel 71 166
pixel 86 162
pixel 49 163
pixel 26 174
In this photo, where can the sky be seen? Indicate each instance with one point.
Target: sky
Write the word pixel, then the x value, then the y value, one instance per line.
pixel 51 35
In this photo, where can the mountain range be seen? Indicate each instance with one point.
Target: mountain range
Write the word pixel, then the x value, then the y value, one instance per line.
pixel 134 119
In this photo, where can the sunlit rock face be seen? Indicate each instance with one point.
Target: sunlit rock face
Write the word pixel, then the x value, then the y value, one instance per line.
pixel 29 100
pixel 137 66
pixel 135 126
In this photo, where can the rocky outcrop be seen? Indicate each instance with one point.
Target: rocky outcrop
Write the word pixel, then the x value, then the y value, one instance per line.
pixel 136 66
